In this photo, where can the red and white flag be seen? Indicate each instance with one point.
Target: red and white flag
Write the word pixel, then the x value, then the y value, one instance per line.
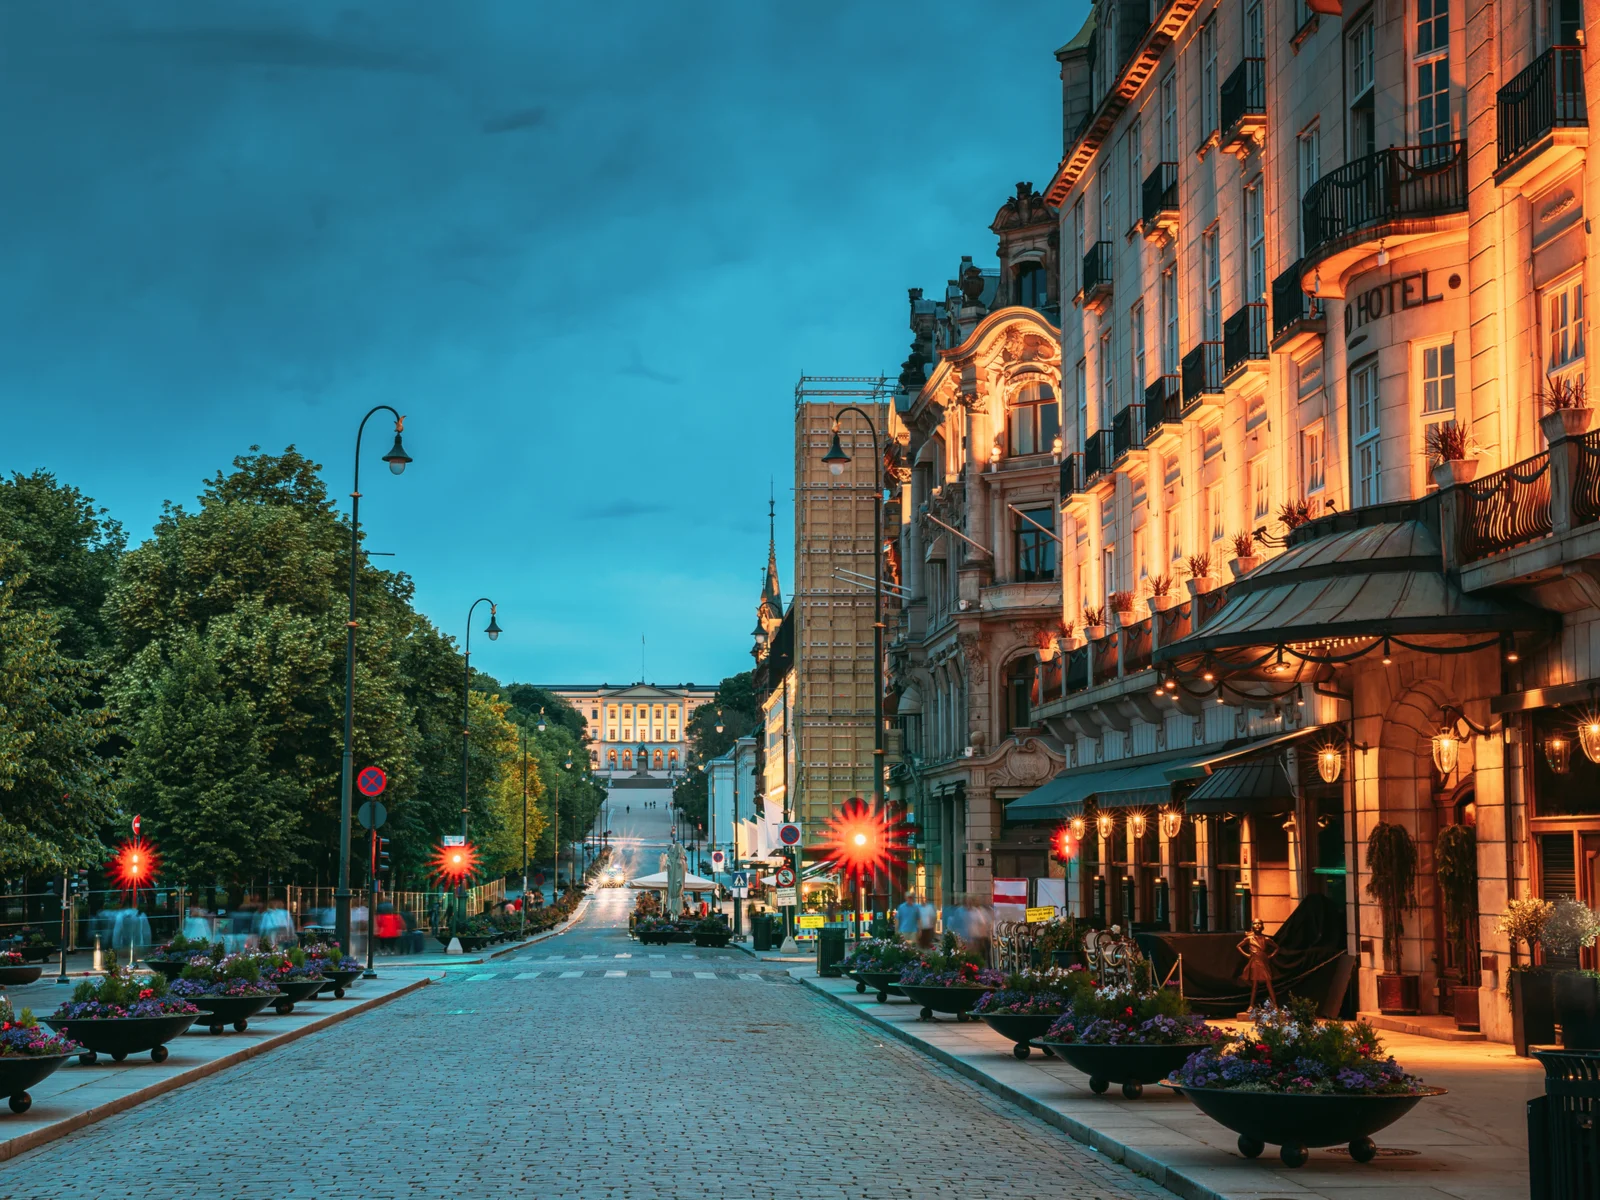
pixel 1010 899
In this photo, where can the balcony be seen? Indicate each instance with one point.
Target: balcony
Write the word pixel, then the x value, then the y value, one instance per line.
pixel 1127 432
pixel 1542 121
pixel 1160 212
pixel 1244 340
pixel 1202 373
pixel 1399 193
pixel 1073 480
pixel 1096 290
pixel 1163 406
pixel 1507 509
pixel 1296 317
pixel 1098 455
pixel 1243 107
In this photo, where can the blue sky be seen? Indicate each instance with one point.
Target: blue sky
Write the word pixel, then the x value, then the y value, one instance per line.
pixel 587 249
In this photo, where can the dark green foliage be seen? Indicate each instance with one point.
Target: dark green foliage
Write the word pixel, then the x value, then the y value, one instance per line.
pixel 734 706
pixel 1392 862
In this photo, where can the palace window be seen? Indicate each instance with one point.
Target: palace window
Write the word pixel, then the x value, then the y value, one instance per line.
pixel 1035 549
pixel 1019 693
pixel 1032 421
pixel 658 760
pixel 1365 440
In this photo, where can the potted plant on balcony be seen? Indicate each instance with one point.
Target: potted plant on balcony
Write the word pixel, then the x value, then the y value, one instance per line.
pixel 1244 558
pixel 1392 885
pixel 1565 402
pixel 1455 859
pixel 1572 926
pixel 1121 603
pixel 1449 449
pixel 1533 1017
pixel 1161 597
pixel 1094 622
pixel 1200 581
pixel 27 1054
pixel 1298 1081
pixel 1294 513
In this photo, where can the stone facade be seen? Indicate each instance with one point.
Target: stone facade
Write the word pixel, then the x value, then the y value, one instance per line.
pixel 636 731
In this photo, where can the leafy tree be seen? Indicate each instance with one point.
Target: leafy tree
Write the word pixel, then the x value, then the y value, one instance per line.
pixel 65 553
pixel 734 708
pixel 56 790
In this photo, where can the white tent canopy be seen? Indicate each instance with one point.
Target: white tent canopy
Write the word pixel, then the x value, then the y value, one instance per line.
pixel 658 883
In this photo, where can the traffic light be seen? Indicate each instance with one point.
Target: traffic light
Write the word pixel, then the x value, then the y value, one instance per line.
pixel 383 856
pixel 79 881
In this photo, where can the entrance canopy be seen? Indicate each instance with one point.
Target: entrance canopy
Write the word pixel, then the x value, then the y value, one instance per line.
pixel 1256 786
pixel 658 883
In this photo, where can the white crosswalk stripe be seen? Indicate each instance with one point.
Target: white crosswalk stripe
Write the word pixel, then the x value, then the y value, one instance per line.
pixel 616 974
pixel 529 975
pixel 485 975
pixel 705 974
pixel 572 974
pixel 660 974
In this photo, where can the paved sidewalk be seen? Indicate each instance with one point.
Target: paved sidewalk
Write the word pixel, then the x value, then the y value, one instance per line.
pixel 1468 1145
pixel 78 1095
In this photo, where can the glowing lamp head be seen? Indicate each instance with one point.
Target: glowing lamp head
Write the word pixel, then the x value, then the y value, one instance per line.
pixel 397 458
pixel 134 864
pixel 1558 753
pixel 1589 738
pixel 1104 824
pixel 1136 822
pixel 835 458
pixel 454 863
pixel 1078 827
pixel 1329 764
pixel 493 628
pixel 1446 747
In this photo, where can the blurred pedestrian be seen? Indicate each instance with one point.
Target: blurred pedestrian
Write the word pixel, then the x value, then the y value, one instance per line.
pixel 927 918
pixel 907 918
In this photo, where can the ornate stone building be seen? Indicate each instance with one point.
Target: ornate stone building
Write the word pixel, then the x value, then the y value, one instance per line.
pixel 637 731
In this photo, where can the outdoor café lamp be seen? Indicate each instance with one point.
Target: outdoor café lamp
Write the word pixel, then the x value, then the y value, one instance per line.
pixel 1172 820
pixel 1446 746
pixel 1330 762
pixel 836 457
pixel 493 629
pixel 1589 738
pixel 1558 753
pixel 1078 827
pixel 1104 824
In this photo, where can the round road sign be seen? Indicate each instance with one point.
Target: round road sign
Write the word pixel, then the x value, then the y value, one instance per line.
pixel 372 814
pixel 789 834
pixel 371 781
pixel 785 877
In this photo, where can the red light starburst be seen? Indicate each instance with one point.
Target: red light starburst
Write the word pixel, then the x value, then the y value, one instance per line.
pixel 454 863
pixel 1061 844
pixel 134 864
pixel 861 842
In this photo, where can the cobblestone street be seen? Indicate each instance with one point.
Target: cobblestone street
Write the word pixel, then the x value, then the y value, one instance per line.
pixel 585 1065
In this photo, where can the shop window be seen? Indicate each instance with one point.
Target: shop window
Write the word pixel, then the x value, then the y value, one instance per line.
pixel 1032 421
pixel 1035 549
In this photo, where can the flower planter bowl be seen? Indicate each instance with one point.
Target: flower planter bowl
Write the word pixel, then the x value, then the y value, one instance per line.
pixel 220 1011
pixel 19 1072
pixel 170 968
pixel 17 976
pixel 122 1036
pixel 712 939
pixel 955 1000
pixel 337 981
pixel 292 991
pixel 38 954
pixel 885 983
pixel 1295 1123
pixel 681 936
pixel 1131 1064
pixel 655 937
pixel 1025 1029
pixel 1244 564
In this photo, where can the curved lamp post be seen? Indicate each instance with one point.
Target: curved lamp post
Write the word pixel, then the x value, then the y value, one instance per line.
pixel 397 458
pixel 493 630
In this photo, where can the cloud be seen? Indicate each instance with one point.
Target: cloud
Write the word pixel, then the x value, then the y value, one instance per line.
pixel 636 367
pixel 527 118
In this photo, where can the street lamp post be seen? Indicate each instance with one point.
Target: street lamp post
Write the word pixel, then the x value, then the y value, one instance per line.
pixel 493 630
pixel 397 458
pixel 522 908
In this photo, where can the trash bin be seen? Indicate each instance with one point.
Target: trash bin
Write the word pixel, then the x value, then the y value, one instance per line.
pixel 830 950
pixel 761 931
pixel 1564 1127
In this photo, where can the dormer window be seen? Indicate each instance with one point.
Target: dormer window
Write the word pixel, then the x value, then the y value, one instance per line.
pixel 1033 420
pixel 1032 291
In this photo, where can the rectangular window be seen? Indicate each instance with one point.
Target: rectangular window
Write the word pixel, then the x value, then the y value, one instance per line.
pixel 1255 239
pixel 1174 533
pixel 1082 377
pixel 1365 435
pixel 1077 246
pixel 1433 102
pixel 1170 351
pixel 1219 527
pixel 1211 443
pixel 1031 421
pixel 1135 169
pixel 1169 117
pixel 1313 455
pixel 1141 568
pixel 1108 575
pixel 1563 306
pixel 1309 146
pixel 1260 488
pixel 1362 59
pixel 1208 80
pixel 1035 549
pixel 1103 187
pixel 1255 41
pixel 1108 384
pixel 1433 26
pixel 1211 298
pixel 1136 330
pixel 1439 379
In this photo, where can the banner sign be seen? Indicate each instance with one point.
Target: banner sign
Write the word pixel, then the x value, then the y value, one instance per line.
pixel 1045 912
pixel 811 921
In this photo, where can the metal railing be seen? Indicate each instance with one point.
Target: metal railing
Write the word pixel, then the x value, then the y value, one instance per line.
pixel 1097 268
pixel 1052 674
pixel 1244 94
pixel 1072 476
pixel 1389 185
pixel 1097 454
pixel 1546 95
pixel 1160 193
pixel 1202 372
pixel 1506 509
pixel 1586 480
pixel 1163 404
pixel 1077 678
pixel 1136 647
pixel 1174 623
pixel 1104 657
pixel 1127 431
pixel 1244 337
pixel 1290 304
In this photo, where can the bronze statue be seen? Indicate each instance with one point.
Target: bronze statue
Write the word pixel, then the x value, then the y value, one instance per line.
pixel 1259 949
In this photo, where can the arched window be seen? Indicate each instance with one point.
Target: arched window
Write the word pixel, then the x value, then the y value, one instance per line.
pixel 1032 285
pixel 627 758
pixel 1019 694
pixel 672 757
pixel 1033 420
pixel 658 760
pixel 611 758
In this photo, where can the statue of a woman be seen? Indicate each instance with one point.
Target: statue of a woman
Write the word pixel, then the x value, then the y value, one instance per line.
pixel 1259 949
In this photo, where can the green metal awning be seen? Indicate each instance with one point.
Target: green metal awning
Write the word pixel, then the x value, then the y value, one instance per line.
pixel 1258 786
pixel 1131 783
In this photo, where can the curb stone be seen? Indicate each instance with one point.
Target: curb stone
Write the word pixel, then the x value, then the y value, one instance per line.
pixel 1136 1160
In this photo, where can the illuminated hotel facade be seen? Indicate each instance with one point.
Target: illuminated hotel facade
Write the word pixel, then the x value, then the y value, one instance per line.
pixel 1319 560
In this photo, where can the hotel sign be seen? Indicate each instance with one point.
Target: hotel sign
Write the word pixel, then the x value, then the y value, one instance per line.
pixel 1386 299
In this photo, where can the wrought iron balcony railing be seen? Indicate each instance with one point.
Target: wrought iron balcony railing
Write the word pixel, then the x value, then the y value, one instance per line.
pixel 1073 479
pixel 1506 509
pixel 1290 304
pixel 1098 455
pixel 1243 102
pixel 1160 210
pixel 1545 96
pixel 1127 431
pixel 1244 337
pixel 1202 372
pixel 1163 404
pixel 1096 271
pixel 1389 185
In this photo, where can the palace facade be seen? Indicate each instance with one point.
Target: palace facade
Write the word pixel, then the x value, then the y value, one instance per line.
pixel 637 731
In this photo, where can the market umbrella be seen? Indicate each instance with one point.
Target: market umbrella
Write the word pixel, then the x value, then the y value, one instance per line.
pixel 658 883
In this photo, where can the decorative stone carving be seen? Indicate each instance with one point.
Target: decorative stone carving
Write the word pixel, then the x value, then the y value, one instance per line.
pixel 1028 763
